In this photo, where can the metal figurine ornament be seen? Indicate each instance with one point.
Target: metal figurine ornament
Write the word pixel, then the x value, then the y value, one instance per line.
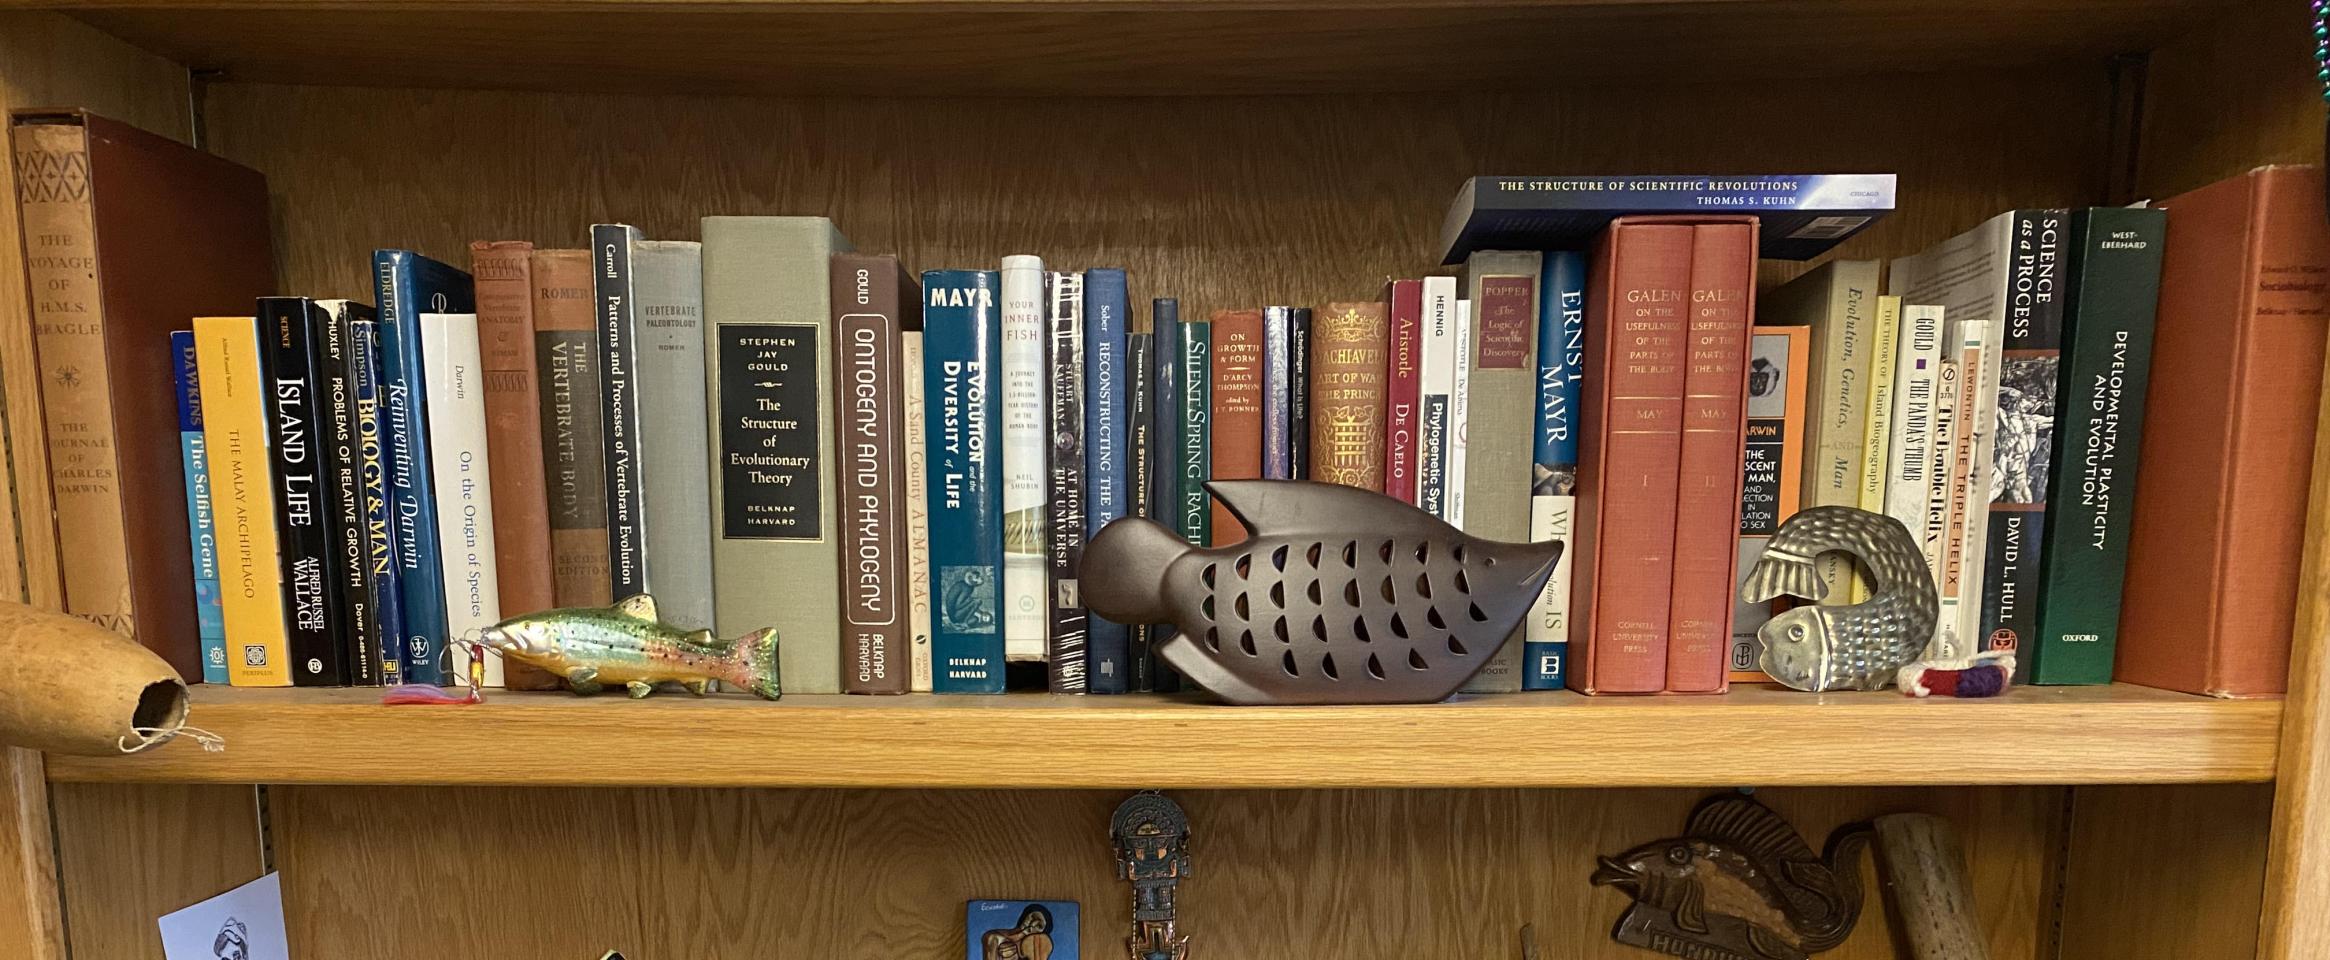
pixel 1739 884
pixel 1339 596
pixel 1152 851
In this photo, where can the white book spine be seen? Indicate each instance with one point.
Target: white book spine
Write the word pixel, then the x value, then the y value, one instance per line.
pixel 1549 519
pixel 464 481
pixel 1917 361
pixel 1934 517
pixel 1459 413
pixel 917 513
pixel 1026 612
pixel 1971 467
pixel 1437 363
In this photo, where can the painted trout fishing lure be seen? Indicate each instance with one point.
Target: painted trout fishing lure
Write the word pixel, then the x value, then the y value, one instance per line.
pixel 592 647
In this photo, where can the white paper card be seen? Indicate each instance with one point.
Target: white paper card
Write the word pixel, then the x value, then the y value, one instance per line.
pixel 245 923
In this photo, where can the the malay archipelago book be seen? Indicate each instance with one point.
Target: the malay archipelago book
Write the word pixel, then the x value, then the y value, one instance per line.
pixel 289 328
pixel 1022 405
pixel 574 457
pixel 1779 381
pixel 339 370
pixel 1803 215
pixel 875 302
pixel 1106 302
pixel 1553 478
pixel 408 285
pixel 504 275
pixel 202 531
pixel 1068 637
pixel 464 475
pixel 235 431
pixel 960 345
pixel 764 352
pixel 1499 419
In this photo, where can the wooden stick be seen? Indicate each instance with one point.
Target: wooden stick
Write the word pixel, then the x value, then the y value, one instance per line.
pixel 1926 871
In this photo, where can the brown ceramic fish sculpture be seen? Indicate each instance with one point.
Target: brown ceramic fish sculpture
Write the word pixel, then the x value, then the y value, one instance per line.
pixel 1339 596
pixel 1738 885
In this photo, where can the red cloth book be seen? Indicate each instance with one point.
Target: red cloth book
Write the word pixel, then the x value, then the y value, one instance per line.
pixel 1723 292
pixel 1237 414
pixel 1403 383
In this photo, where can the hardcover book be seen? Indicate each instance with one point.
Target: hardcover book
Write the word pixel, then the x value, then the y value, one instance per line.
pixel 290 329
pixel 465 509
pixel 1836 302
pixel 574 456
pixel 1347 389
pixel 1779 391
pixel 1237 423
pixel 1629 455
pixel 235 430
pixel 1960 504
pixel 960 346
pixel 409 285
pixel 2022 438
pixel 201 530
pixel 775 530
pixel 1021 930
pixel 2109 308
pixel 1105 304
pixel 1141 467
pixel 1068 647
pixel 1403 380
pixel 127 235
pixel 1909 455
pixel 1197 411
pixel 504 275
pixel 380 550
pixel 2213 558
pixel 1299 389
pixel 1277 393
pixel 1435 386
pixel 874 303
pixel 1499 420
pixel 1553 478
pixel 1025 448
pixel 1803 214
pixel 1707 508
pixel 917 505
pixel 342 463
pixel 657 371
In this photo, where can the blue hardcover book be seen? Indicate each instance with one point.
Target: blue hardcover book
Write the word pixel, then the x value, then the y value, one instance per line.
pixel 1803 214
pixel 1105 303
pixel 1561 326
pixel 1277 393
pixel 1020 930
pixel 209 620
pixel 372 489
pixel 961 332
pixel 409 285
pixel 1165 465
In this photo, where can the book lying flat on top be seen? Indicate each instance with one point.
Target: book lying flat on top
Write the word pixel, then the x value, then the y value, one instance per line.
pixel 1803 215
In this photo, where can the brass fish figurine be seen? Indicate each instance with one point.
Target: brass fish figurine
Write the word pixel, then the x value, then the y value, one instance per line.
pixel 592 647
pixel 1339 596
pixel 1857 647
pixel 1740 884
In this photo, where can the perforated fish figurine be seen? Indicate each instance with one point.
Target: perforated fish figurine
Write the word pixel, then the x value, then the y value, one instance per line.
pixel 1740 883
pixel 592 647
pixel 1339 596
pixel 1857 647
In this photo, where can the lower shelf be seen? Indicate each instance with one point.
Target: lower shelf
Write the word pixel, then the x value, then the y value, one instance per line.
pixel 1752 736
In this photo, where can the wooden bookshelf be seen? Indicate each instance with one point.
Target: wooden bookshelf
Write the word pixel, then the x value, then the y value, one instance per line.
pixel 2063 735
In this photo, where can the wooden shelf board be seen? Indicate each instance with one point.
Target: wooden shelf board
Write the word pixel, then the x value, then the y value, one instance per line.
pixel 1110 47
pixel 1753 736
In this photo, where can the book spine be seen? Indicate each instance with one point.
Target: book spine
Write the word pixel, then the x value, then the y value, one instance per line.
pixel 1067 650
pixel 1023 406
pixel 574 457
pixel 411 481
pixel 350 565
pixel 235 430
pixel 960 347
pixel 1197 422
pixel 1105 302
pixel 202 533
pixel 1299 394
pixel 1628 457
pixel 1277 394
pixel 1843 370
pixel 1437 363
pixel 372 444
pixel 916 423
pixel 504 275
pixel 1140 470
pixel 1404 300
pixel 465 515
pixel 618 366
pixel 1238 422
pixel 2010 543
pixel 1348 363
pixel 1707 508
pixel 1499 417
pixel 1176 442
pixel 1771 473
pixel 782 491
pixel 1561 322
pixel 1877 437
pixel 1909 452
pixel 310 602
pixel 1452 471
pixel 1959 509
pixel 2107 367
pixel 1934 517
pixel 866 414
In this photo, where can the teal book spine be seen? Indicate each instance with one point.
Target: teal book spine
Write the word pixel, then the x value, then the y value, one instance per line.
pixel 1196 434
pixel 209 618
pixel 2099 418
pixel 961 333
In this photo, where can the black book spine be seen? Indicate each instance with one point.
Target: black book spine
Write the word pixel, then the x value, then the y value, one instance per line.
pixel 618 360
pixel 1298 381
pixel 1141 465
pixel 1064 646
pixel 288 327
pixel 351 566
